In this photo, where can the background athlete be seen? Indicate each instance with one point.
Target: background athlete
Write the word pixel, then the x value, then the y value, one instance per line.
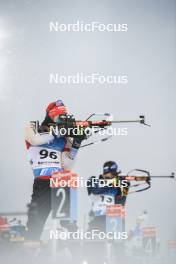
pixel 104 195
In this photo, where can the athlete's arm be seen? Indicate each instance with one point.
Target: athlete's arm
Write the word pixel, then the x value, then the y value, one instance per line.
pixel 66 161
pixel 94 188
pixel 35 138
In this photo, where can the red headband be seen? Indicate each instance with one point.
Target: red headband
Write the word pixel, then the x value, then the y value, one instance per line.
pixel 55 110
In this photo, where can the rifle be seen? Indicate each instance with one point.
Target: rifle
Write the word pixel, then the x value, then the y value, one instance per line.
pixel 69 123
pixel 144 178
pixel 66 120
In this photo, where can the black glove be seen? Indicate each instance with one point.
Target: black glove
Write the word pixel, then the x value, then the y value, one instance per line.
pixel 78 134
pixel 76 143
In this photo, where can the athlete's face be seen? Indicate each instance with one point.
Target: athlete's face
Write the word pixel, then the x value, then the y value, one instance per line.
pixel 55 119
pixel 108 175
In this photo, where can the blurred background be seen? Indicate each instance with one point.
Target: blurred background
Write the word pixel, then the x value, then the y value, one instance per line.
pixel 146 54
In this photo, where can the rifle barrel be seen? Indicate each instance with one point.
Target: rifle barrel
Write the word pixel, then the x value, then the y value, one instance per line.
pixel 126 121
pixel 164 176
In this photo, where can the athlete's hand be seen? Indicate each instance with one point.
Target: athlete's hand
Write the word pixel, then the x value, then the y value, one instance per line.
pixel 79 134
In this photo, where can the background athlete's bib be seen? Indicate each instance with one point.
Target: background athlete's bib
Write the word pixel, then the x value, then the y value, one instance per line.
pixel 100 202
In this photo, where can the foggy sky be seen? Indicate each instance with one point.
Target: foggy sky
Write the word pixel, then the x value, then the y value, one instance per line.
pixel 146 53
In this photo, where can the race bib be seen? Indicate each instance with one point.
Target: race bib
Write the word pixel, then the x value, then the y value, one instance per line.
pixel 100 202
pixel 44 157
